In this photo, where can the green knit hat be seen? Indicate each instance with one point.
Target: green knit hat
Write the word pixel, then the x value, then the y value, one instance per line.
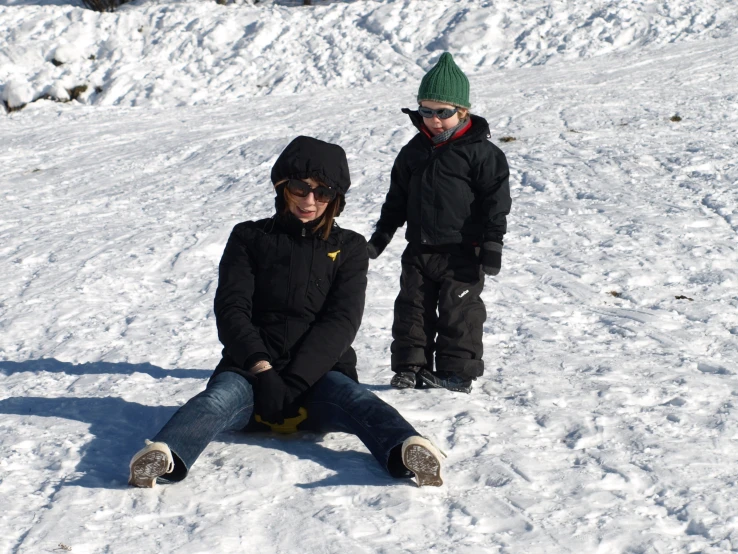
pixel 446 83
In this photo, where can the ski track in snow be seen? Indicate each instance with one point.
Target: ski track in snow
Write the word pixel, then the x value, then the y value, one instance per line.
pixel 605 422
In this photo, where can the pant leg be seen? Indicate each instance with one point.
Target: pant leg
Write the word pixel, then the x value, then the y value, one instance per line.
pixel 337 403
pixel 461 315
pixel 226 404
pixel 415 318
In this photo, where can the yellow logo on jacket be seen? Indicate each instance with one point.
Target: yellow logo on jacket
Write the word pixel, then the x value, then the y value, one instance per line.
pixel 332 255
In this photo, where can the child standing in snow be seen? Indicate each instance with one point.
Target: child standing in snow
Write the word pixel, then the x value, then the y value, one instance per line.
pixel 289 303
pixel 450 185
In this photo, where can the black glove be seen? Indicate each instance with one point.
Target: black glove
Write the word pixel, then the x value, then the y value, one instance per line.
pixel 377 244
pixel 491 257
pixel 271 396
pixel 295 387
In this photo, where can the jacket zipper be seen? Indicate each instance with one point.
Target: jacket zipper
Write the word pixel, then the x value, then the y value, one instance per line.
pixel 310 271
pixel 434 163
pixel 289 287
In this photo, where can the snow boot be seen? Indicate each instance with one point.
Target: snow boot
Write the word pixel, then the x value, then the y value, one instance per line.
pixel 403 380
pixel 406 378
pixel 445 380
pixel 423 458
pixel 152 461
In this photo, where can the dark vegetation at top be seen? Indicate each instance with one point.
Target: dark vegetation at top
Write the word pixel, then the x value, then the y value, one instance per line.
pixel 112 5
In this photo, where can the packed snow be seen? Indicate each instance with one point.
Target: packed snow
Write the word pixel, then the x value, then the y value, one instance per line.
pixel 606 421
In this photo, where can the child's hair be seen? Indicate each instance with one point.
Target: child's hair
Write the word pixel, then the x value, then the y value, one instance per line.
pixel 326 220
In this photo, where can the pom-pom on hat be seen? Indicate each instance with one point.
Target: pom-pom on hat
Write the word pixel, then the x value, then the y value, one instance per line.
pixel 446 83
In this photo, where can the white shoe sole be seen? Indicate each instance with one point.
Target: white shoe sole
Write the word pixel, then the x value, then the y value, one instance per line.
pixel 424 464
pixel 149 464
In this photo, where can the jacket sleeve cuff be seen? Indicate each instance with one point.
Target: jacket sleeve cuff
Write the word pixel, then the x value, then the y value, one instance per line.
pixel 381 238
pixel 246 361
pixel 492 246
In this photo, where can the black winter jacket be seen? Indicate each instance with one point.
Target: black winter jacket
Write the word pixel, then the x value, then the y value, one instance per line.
pixel 288 296
pixel 455 193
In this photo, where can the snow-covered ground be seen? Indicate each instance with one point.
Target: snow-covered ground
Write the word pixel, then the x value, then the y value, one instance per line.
pixel 193 52
pixel 606 421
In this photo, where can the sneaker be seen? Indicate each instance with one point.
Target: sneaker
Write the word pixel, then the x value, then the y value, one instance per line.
pixel 445 380
pixel 152 461
pixel 423 458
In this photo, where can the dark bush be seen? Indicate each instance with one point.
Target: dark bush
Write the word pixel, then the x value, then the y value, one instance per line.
pixel 14 108
pixel 103 5
pixel 75 92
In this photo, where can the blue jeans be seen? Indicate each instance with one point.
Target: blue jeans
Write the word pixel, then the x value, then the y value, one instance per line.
pixel 334 403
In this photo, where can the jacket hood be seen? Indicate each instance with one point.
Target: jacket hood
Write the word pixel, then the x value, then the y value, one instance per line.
pixel 307 157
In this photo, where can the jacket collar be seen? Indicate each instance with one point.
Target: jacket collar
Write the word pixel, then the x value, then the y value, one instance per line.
pixel 288 223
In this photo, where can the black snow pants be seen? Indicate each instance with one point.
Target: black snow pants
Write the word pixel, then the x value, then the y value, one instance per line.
pixel 439 310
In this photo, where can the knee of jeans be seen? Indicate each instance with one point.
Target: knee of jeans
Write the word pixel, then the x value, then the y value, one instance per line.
pixel 339 386
pixel 229 390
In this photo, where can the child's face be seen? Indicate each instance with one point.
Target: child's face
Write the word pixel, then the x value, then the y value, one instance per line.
pixel 435 125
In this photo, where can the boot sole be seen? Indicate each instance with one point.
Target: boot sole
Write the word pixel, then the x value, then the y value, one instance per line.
pixel 425 466
pixel 146 469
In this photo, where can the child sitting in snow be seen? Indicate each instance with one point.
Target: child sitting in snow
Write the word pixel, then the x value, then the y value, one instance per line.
pixel 450 185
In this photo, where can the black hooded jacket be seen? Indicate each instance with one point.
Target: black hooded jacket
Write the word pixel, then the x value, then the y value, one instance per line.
pixel 455 193
pixel 288 296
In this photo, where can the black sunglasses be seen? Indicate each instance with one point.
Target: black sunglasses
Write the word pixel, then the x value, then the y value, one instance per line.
pixel 441 113
pixel 302 189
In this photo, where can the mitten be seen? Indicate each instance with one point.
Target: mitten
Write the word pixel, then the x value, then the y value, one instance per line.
pixel 271 393
pixel 491 257
pixel 377 244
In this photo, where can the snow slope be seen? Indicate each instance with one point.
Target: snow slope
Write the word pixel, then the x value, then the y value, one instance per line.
pixel 606 420
pixel 190 52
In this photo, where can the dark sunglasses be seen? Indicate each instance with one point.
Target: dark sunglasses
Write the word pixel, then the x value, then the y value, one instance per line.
pixel 302 189
pixel 441 113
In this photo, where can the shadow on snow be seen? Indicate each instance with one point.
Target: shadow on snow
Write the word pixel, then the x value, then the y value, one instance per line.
pixel 97 368
pixel 119 428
